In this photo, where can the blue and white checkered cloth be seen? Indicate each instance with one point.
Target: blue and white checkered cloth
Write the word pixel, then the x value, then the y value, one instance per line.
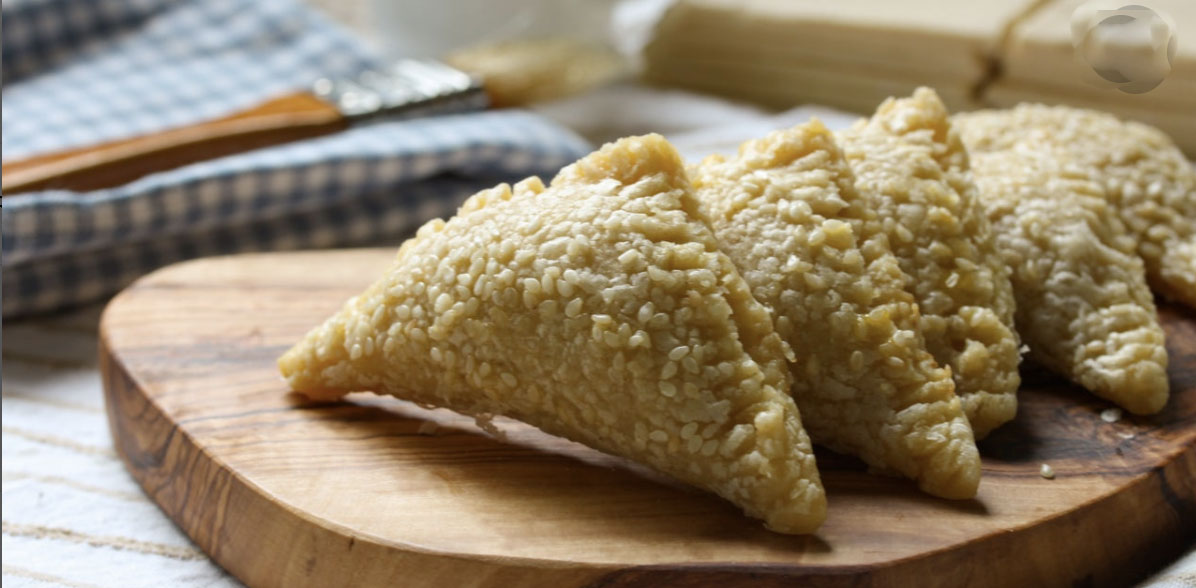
pixel 78 72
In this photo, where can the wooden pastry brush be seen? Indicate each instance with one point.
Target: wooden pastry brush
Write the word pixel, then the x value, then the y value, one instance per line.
pixel 408 89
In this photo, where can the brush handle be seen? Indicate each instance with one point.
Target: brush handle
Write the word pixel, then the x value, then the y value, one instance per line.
pixel 281 120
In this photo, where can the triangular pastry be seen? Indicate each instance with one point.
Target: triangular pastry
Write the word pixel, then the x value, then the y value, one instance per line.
pixel 787 212
pixel 599 309
pixel 912 167
pixel 1083 305
pixel 1144 176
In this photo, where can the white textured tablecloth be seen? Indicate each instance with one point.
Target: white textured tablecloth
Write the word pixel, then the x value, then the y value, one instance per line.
pixel 72 515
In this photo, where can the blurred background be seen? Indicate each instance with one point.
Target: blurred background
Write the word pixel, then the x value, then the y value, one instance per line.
pixel 777 55
pixel 558 77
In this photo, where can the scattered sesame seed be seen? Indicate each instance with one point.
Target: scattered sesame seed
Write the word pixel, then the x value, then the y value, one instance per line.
pixel 1046 471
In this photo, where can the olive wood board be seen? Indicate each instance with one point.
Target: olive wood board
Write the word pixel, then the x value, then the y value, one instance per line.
pixel 373 491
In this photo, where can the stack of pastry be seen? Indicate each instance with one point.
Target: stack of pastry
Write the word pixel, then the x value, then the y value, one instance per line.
pixel 1040 64
pixel 855 290
pixel 851 54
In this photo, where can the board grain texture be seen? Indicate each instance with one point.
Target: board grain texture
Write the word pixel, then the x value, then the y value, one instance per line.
pixel 283 491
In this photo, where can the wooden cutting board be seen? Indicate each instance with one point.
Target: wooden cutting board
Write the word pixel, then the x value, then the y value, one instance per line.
pixel 282 491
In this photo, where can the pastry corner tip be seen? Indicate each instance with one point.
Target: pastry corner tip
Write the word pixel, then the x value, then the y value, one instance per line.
pixel 628 160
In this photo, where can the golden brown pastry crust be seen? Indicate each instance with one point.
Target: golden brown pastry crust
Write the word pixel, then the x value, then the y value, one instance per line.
pixel 1144 176
pixel 787 212
pixel 912 166
pixel 1083 304
pixel 599 309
